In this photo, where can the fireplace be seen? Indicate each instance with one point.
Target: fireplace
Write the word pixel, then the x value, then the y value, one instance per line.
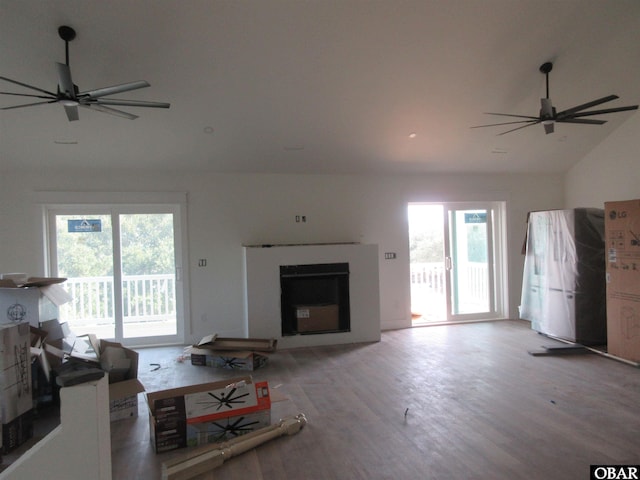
pixel 314 299
pixel 263 294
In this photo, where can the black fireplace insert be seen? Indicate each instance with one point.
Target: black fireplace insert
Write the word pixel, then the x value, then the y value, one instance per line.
pixel 314 299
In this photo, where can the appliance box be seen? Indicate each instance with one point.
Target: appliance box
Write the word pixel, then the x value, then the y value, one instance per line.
pixel 622 233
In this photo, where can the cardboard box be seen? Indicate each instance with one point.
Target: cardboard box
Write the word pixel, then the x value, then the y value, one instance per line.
pixel 119 362
pixel 123 399
pixel 213 342
pixel 17 431
pixel 316 318
pixel 15 371
pixel 58 335
pixel 206 413
pixel 244 360
pixel 35 301
pixel 622 234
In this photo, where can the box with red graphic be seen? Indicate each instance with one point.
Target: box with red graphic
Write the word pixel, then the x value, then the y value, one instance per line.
pixel 207 412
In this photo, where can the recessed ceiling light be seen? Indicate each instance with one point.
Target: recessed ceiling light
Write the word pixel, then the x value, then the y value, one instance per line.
pixel 208 130
pixel 413 135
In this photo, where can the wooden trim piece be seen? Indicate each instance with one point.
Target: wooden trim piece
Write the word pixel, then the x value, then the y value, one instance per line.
pixel 212 456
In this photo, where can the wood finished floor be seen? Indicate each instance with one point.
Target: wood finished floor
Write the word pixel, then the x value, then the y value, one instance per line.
pixel 479 407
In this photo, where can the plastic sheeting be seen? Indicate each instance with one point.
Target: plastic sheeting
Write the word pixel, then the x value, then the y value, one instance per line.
pixel 563 287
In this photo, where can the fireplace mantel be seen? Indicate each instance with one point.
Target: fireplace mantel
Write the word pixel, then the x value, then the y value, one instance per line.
pixel 262 275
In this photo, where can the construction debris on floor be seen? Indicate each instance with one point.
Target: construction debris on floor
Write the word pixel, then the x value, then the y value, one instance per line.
pixel 210 457
pixel 231 353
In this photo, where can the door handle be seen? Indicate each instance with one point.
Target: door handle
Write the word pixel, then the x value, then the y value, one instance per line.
pixel 448 263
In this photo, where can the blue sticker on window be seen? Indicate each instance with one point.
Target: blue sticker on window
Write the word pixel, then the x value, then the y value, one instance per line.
pixel 82 226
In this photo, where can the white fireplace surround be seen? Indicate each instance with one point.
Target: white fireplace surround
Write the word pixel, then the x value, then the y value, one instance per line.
pixel 262 269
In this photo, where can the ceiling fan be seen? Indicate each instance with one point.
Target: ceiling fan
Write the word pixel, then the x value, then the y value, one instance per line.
pixel 69 96
pixel 548 114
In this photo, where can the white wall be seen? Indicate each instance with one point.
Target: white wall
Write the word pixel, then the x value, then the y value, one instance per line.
pixel 610 172
pixel 227 211
pixel 80 447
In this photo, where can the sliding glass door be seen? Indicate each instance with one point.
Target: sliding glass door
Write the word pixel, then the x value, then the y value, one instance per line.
pixel 456 260
pixel 468 256
pixel 122 267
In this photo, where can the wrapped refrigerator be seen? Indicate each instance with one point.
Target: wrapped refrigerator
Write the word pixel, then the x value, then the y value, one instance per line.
pixel 563 285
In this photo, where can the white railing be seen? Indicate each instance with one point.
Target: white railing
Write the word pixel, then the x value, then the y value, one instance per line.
pixel 430 275
pixel 428 279
pixel 144 298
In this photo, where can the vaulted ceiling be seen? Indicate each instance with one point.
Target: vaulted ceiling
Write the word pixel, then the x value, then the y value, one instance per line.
pixel 317 86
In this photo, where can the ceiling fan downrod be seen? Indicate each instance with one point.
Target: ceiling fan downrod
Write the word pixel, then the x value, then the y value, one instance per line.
pixel 546 68
pixel 67 34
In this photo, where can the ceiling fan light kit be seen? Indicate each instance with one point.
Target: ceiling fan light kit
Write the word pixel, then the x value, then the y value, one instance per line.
pixel 548 116
pixel 70 97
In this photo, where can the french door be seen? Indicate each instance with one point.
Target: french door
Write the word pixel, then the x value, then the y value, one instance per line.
pixel 122 266
pixel 456 261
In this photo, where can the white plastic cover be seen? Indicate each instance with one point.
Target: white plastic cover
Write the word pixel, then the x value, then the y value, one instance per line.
pixel 563 289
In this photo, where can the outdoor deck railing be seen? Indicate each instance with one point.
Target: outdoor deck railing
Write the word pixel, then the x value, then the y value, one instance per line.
pixel 144 298
pixel 473 279
pixel 153 297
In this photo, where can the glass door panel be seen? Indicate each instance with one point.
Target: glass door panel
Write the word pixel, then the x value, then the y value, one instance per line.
pixel 468 262
pixel 148 275
pixel 84 252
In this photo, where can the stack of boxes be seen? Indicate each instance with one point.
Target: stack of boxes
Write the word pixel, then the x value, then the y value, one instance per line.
pixel 16 400
pixel 23 305
pixel 29 328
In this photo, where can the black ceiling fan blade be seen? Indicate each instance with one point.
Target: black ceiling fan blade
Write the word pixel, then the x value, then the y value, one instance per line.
pixel 111 111
pixel 65 82
pixel 584 106
pixel 510 115
pixel 129 103
pixel 28 104
pixel 505 123
pixel 606 110
pixel 124 87
pixel 582 120
pixel 28 95
pixel 519 128
pixel 26 85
